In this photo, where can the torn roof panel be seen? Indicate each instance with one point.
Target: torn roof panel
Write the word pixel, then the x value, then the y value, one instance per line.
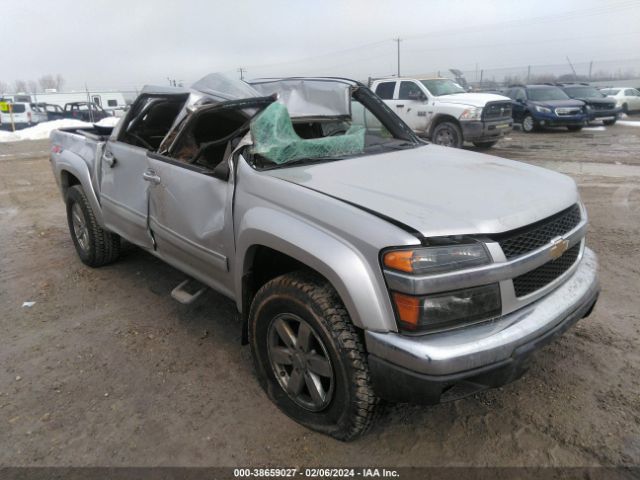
pixel 309 97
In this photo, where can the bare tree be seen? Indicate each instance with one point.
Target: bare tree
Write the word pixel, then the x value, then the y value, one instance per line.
pixel 4 87
pixel 32 86
pixel 59 82
pixel 20 86
pixel 47 81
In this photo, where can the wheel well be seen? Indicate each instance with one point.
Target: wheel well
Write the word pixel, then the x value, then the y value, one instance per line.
pixel 441 119
pixel 261 265
pixel 68 180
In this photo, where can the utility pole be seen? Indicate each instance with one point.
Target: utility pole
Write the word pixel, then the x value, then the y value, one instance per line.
pixel 397 40
pixel 90 104
pixel 575 75
pixel 528 73
pixel 242 72
pixel 590 68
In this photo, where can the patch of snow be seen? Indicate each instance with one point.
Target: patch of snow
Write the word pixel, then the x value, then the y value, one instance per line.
pixel 594 128
pixel 629 123
pixel 41 130
pixel 108 122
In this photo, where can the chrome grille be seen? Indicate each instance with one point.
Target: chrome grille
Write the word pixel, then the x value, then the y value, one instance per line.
pixel 496 110
pixel 523 240
pixel 568 111
pixel 542 276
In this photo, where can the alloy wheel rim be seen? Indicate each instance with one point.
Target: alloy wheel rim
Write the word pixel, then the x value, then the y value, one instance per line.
pixel 527 124
pixel 300 362
pixel 445 137
pixel 80 229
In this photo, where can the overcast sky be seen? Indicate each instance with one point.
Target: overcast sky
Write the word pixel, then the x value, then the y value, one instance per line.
pixel 125 44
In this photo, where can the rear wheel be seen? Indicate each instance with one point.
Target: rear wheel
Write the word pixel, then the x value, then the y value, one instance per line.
pixel 609 122
pixel 308 356
pixel 625 109
pixel 95 246
pixel 528 123
pixel 447 134
pixel 484 145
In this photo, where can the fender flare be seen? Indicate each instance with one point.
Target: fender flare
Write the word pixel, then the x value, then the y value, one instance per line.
pixel 75 165
pixel 362 290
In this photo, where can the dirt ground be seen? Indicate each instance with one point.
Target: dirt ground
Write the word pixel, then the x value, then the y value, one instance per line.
pixel 106 369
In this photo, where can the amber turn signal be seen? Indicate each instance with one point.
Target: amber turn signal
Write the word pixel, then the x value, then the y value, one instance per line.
pixel 399 260
pixel 408 309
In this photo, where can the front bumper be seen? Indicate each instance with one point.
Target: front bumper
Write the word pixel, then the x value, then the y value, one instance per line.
pixel 606 114
pixel 449 365
pixel 553 120
pixel 486 131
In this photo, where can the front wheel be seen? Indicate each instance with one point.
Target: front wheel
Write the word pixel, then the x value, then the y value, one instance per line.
pixel 484 145
pixel 574 128
pixel 528 124
pixel 308 356
pixel 609 122
pixel 95 246
pixel 447 134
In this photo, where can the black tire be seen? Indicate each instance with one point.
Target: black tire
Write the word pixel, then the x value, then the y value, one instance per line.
pixel 625 109
pixel 351 404
pixel 529 124
pixel 447 134
pixel 574 128
pixel 95 246
pixel 609 122
pixel 484 145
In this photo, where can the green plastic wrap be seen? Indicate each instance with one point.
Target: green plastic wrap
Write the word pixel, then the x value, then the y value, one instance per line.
pixel 275 139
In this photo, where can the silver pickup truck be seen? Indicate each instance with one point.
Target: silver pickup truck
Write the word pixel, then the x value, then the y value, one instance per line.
pixel 365 264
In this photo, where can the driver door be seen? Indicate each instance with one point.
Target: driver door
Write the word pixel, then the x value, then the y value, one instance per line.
pixel 189 217
pixel 411 105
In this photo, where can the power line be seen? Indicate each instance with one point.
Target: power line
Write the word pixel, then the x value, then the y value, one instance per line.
pixel 568 15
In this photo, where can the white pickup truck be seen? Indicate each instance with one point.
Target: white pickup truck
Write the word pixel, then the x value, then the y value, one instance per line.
pixel 439 109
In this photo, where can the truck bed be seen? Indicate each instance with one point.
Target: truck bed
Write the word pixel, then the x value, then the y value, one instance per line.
pixel 97 133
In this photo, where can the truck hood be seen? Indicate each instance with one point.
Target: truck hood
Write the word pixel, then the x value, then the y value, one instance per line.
pixel 441 191
pixel 473 99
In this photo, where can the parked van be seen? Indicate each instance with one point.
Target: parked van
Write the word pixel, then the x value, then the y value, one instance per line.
pixel 22 115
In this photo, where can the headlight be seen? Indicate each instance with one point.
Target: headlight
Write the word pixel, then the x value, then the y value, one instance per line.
pixel 543 109
pixel 425 260
pixel 473 113
pixel 446 310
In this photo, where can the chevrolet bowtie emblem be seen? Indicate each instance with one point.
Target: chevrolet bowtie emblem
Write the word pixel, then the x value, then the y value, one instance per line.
pixel 560 246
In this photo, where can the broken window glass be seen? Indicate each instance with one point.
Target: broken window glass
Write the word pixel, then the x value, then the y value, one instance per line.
pixel 275 139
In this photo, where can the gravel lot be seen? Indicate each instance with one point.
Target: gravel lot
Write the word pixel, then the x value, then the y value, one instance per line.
pixel 106 369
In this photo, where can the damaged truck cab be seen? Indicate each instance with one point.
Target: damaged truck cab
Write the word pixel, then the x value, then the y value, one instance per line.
pixel 364 263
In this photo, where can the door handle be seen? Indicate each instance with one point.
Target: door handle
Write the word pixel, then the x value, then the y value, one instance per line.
pixel 109 159
pixel 151 177
pixel 400 106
